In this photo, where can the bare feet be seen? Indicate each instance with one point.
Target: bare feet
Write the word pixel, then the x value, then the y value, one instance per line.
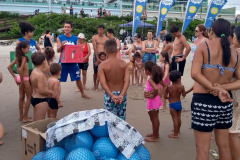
pixel 85 88
pixel 151 139
pixel 86 96
pixel 77 89
pixel 172 136
pixel 149 135
pixel 1 142
pixel 27 119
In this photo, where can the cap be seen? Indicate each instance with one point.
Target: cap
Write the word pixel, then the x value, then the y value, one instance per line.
pixel 81 36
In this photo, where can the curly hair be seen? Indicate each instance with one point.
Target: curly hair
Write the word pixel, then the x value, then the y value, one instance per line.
pixel 19 54
pixel 149 65
pixel 157 74
pixel 174 76
pixel 49 53
pixel 26 27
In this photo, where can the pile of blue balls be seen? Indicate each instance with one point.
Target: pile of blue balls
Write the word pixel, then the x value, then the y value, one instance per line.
pixel 89 145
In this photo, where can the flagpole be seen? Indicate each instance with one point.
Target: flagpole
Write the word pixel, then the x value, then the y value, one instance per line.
pixel 185 15
pixel 158 18
pixel 134 8
pixel 209 7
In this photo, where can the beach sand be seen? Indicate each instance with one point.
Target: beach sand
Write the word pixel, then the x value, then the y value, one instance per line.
pixel 182 148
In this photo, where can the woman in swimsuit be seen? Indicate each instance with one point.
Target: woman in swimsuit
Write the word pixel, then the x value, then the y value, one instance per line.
pixel 149 48
pixel 202 35
pixel 137 46
pixel 214 62
pixel 22 79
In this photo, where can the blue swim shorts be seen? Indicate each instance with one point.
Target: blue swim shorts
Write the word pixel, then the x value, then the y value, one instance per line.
pixel 177 106
pixel 72 69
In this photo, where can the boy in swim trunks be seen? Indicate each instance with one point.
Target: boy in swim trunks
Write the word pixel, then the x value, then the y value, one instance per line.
pixel 39 83
pixel 114 78
pixel 54 85
pixel 173 94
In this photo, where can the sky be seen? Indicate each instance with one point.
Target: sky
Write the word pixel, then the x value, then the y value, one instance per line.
pixel 233 3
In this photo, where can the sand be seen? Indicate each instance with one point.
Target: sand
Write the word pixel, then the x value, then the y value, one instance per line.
pixel 182 148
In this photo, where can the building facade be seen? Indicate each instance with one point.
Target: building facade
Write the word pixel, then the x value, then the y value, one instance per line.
pixel 116 7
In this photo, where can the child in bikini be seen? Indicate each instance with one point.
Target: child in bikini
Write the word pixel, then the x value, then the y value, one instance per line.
pixel 153 85
pixel 139 68
pixel 22 80
pixel 173 94
pixel 164 59
pixel 131 64
pixel 40 95
pixel 102 56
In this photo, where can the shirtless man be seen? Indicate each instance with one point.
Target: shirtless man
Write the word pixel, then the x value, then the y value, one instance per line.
pixel 98 42
pixel 114 78
pixel 110 35
pixel 180 42
pixel 167 45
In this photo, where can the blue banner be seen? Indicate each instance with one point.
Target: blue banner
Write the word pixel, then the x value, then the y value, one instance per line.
pixel 214 8
pixel 139 6
pixel 164 7
pixel 191 10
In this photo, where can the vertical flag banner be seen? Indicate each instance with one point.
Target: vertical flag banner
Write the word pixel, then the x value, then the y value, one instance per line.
pixel 214 8
pixel 192 8
pixel 164 7
pixel 139 6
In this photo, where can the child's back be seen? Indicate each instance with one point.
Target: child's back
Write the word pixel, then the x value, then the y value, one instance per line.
pixel 114 70
pixel 114 78
pixel 175 91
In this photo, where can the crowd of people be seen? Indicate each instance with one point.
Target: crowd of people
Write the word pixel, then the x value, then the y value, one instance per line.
pixel 215 71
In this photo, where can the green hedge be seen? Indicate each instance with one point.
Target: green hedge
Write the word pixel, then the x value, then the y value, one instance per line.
pixel 88 26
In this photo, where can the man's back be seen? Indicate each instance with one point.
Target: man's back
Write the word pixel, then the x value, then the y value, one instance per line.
pixel 114 70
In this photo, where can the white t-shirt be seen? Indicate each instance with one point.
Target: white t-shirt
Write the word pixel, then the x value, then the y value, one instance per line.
pixel 91 14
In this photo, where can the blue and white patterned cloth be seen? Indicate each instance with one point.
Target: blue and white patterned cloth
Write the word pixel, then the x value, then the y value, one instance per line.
pixel 125 137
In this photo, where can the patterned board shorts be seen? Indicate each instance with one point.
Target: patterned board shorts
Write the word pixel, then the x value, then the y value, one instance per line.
pixel 208 112
pixel 119 109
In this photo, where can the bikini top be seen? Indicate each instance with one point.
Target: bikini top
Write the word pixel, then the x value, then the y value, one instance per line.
pixel 139 47
pixel 218 66
pixel 147 45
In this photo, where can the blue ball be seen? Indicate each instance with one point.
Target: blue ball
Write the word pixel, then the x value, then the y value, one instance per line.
pixel 100 131
pixel 80 154
pixel 103 148
pixel 39 156
pixel 79 140
pixel 143 152
pixel 134 156
pixel 55 153
pixel 61 144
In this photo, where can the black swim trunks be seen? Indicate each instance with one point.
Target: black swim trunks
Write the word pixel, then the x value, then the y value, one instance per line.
pixel 35 101
pixel 52 102
pixel 208 112
pixel 177 66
